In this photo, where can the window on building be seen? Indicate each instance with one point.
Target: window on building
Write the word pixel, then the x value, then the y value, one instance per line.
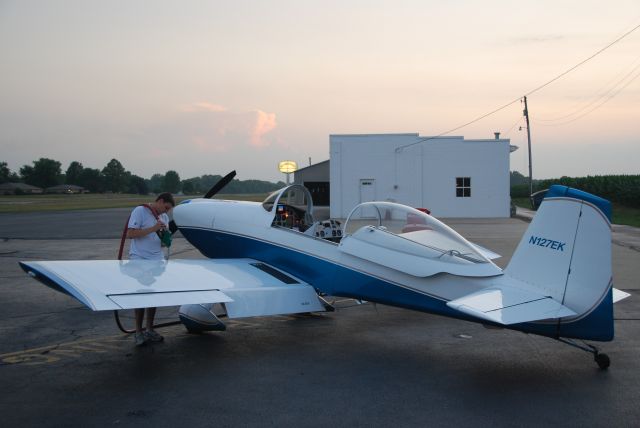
pixel 463 187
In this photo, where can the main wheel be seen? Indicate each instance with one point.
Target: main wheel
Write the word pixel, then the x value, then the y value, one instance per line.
pixel 602 360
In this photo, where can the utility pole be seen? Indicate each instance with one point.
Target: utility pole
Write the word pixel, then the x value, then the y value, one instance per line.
pixel 526 116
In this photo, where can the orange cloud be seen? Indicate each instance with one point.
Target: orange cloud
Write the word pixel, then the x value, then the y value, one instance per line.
pixel 265 122
pixel 211 127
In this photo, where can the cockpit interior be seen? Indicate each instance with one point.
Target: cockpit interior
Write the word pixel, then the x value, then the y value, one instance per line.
pixel 293 210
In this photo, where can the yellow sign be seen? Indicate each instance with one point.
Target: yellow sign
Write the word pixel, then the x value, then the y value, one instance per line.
pixel 288 166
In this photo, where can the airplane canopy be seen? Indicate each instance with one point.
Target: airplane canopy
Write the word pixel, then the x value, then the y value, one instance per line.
pixel 411 241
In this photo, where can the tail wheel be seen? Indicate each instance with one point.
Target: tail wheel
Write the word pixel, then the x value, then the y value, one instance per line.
pixel 602 360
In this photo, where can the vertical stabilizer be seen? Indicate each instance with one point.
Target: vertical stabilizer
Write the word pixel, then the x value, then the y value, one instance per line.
pixel 566 254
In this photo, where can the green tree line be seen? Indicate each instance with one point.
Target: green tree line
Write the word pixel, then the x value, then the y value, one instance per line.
pixel 115 178
pixel 622 189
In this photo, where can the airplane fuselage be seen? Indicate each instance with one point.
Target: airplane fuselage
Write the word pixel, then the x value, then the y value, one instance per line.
pixel 232 229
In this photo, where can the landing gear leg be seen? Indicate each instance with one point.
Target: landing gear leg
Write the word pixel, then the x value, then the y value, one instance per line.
pixel 601 359
pixel 116 315
pixel 327 306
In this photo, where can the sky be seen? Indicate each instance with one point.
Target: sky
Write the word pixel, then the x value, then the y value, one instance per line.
pixel 204 87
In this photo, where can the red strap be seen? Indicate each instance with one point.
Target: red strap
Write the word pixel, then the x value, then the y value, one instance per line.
pixel 126 228
pixel 124 236
pixel 155 214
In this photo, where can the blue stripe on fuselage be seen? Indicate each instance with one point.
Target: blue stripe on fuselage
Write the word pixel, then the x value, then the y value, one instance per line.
pixel 324 275
pixel 337 280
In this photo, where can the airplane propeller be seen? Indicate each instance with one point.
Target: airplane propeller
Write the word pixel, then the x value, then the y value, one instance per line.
pixel 220 184
pixel 173 227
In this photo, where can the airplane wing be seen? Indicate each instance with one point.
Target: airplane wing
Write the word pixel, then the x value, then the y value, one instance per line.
pixel 507 305
pixel 247 287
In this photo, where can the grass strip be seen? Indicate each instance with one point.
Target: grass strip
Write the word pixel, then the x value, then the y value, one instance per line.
pixel 39 203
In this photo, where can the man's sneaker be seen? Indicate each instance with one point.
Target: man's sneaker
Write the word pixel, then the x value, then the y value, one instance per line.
pixel 139 338
pixel 152 336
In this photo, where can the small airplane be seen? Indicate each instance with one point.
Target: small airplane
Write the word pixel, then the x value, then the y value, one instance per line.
pixel 274 258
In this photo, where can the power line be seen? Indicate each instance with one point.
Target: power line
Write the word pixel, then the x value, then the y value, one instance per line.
pixel 421 140
pixel 597 106
pixel 584 61
pixel 520 119
pixel 609 89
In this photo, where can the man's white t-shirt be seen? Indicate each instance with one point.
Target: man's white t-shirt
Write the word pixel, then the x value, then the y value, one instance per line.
pixel 148 247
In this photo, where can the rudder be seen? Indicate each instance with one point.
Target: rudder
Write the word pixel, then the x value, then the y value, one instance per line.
pixel 566 254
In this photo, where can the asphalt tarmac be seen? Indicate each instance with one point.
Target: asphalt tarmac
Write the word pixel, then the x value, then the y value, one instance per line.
pixel 363 365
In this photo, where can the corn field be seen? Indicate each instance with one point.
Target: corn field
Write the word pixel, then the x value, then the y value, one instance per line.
pixel 622 189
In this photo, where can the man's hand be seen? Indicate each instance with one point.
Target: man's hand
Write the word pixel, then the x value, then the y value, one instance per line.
pixel 158 226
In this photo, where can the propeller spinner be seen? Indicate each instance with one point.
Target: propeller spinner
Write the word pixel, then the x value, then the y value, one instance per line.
pixel 173 227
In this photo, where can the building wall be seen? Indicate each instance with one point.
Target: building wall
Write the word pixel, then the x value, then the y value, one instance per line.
pixel 423 175
pixel 316 179
pixel 317 172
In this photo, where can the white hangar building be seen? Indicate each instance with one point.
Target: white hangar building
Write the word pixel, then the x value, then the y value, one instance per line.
pixel 450 176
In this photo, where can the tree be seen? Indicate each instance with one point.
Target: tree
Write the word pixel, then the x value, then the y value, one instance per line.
pixel 171 182
pixel 74 172
pixel 92 180
pixel 5 173
pixel 190 186
pixel 44 173
pixel 156 183
pixel 516 178
pixel 115 176
pixel 138 185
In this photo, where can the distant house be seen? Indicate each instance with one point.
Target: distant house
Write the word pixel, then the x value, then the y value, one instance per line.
pixel 18 188
pixel 65 189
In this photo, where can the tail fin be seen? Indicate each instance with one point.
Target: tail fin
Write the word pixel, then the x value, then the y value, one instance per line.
pixel 566 254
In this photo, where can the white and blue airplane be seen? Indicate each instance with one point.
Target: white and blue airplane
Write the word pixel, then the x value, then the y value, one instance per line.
pixel 273 258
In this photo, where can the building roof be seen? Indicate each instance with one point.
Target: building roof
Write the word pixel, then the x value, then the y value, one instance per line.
pixel 400 134
pixel 13 186
pixel 311 166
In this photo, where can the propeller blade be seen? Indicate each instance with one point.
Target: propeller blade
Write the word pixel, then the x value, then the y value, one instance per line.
pixel 220 184
pixel 173 227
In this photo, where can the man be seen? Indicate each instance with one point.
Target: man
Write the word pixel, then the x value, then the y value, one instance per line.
pixel 145 224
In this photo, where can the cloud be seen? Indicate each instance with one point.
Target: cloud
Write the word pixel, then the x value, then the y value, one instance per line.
pixel 207 127
pixel 264 123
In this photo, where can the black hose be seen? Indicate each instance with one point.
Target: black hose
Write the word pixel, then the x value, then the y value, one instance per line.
pixel 116 315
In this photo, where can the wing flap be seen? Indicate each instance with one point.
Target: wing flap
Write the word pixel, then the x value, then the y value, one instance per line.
pixel 507 305
pixel 143 300
pixel 272 301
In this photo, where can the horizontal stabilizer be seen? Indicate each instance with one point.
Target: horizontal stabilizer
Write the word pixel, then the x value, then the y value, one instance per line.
pixel 491 255
pixel 619 295
pixel 506 305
